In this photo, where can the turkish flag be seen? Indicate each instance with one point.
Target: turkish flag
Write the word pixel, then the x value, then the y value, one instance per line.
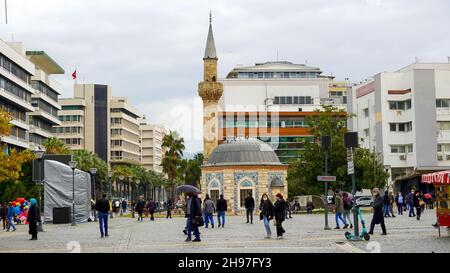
pixel 74 75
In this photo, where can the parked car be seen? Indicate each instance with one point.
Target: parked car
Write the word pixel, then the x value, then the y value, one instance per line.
pixel 364 201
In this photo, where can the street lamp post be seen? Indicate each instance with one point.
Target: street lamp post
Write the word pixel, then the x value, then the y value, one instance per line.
pixel 39 154
pixel 110 174
pixel 93 171
pixel 121 177
pixel 138 182
pixel 326 143
pixel 73 165
pixel 130 178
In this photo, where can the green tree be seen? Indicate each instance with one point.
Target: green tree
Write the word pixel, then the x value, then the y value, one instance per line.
pixel 87 160
pixel 302 174
pixel 190 169
pixel 55 146
pixel 174 147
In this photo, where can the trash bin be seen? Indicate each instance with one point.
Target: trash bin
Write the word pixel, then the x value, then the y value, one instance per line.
pixel 62 215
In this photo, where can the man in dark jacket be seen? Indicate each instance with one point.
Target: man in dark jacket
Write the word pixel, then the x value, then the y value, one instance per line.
pixel 249 207
pixel 102 206
pixel 140 207
pixel 194 211
pixel 151 206
pixel 221 210
pixel 378 217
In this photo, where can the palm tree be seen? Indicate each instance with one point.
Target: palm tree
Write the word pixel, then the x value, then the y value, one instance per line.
pixel 87 160
pixel 174 147
pixel 55 146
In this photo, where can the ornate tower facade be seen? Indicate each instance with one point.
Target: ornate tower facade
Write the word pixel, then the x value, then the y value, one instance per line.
pixel 210 90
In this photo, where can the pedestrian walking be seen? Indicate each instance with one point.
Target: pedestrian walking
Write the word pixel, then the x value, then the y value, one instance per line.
pixel 139 208
pixel 151 206
pixel 378 217
pixel 221 211
pixel 410 202
pixel 194 211
pixel 279 211
pixel 391 203
pixel 102 206
pixel 288 209
pixel 266 208
pixel 208 210
pixel 124 206
pixel 309 207
pixel 418 204
pixel 348 205
pixel 249 207
pixel 339 203
pixel 399 200
pixel 11 213
pixel 169 209
pixel 386 204
pixel 4 215
pixel 33 218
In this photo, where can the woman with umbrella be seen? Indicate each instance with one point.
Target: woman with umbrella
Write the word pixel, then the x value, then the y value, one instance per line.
pixel 193 212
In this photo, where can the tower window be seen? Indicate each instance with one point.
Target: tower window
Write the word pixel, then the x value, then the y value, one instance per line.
pixel 214 78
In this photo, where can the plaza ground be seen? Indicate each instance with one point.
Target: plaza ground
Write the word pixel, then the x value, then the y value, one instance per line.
pixel 304 233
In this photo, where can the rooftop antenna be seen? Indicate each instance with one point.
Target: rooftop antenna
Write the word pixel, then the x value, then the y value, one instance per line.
pixel 277 55
pixel 306 61
pixel 417 59
pixel 210 17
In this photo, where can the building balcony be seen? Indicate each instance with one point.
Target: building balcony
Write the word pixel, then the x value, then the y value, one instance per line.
pixel 50 118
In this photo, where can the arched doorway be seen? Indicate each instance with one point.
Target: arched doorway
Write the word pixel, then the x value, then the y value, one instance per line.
pixel 245 187
pixel 214 190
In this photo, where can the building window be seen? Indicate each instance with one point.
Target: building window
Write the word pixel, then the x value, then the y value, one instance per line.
pixel 293 100
pixel 400 105
pixel 366 112
pixel 443 103
pixel 400 127
pixel 443 125
pixel 401 149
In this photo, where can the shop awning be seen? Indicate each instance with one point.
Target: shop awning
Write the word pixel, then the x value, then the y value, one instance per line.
pixel 436 178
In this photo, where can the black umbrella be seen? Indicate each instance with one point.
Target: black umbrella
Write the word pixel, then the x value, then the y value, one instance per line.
pixel 187 188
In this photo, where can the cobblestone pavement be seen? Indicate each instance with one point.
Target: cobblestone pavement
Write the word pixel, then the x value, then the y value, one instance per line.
pixel 304 233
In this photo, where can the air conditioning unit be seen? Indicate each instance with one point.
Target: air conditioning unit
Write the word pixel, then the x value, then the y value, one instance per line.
pixel 440 157
pixel 447 157
pixel 403 157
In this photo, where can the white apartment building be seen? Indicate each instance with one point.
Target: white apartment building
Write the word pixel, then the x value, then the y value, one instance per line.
pixel 271 101
pixel 405 116
pixel 151 137
pixel 28 93
pixel 96 121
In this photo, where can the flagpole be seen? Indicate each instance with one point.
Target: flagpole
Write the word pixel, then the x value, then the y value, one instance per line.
pixel 6 12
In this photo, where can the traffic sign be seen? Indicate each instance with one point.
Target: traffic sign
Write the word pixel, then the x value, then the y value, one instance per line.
pixel 326 178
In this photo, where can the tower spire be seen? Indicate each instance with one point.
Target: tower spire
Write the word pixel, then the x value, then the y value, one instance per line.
pixel 210 51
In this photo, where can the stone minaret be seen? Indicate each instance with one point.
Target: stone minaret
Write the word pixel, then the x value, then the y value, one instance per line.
pixel 210 90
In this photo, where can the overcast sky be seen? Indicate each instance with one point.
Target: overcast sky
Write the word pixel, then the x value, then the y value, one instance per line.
pixel 151 50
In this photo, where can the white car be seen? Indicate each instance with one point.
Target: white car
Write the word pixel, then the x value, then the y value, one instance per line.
pixel 364 201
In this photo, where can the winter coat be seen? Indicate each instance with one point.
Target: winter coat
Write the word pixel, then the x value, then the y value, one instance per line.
pixel 102 205
pixel 386 200
pixel 208 206
pixel 339 203
pixel 266 208
pixel 33 214
pixel 378 208
pixel 279 210
pixel 221 205
pixel 140 206
pixel 3 212
pixel 196 208
pixel 249 203
pixel 151 206
pixel 416 201
pixel 11 211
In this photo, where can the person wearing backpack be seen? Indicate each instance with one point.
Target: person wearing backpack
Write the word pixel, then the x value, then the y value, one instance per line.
pixel 348 205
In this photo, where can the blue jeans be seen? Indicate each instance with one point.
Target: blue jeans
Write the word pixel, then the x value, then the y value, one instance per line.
pixel 192 228
pixel 209 217
pixel 221 214
pixel 11 223
pixel 411 210
pixel 347 216
pixel 103 222
pixel 267 225
pixel 387 211
pixel 338 217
